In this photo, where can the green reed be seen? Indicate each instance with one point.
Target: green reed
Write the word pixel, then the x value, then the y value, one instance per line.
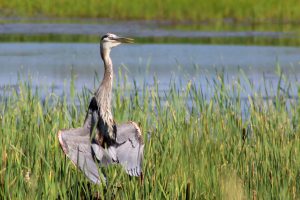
pixel 176 10
pixel 195 147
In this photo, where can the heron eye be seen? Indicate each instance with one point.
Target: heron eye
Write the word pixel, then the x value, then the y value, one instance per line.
pixel 104 36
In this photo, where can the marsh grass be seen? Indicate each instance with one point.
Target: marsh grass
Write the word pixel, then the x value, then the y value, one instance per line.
pixel 176 10
pixel 196 148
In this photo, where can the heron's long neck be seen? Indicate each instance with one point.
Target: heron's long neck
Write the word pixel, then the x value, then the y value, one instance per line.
pixel 104 92
pixel 106 84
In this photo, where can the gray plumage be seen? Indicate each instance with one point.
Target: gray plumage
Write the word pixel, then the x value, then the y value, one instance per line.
pixel 113 144
pixel 127 150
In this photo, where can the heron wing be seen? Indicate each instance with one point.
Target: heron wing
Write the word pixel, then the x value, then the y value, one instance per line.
pixel 103 156
pixel 77 146
pixel 129 148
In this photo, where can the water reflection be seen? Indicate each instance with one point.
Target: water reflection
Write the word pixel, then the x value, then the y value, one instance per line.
pixel 51 63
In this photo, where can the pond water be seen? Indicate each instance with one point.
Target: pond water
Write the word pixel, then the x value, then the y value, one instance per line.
pixel 50 64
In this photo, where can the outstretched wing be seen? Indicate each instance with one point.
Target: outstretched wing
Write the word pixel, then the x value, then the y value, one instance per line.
pixel 126 150
pixel 129 148
pixel 76 145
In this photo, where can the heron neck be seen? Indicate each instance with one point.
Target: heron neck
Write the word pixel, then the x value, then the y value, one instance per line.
pixel 104 93
pixel 106 83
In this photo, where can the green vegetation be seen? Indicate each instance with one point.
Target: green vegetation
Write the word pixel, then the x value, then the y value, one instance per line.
pixel 197 148
pixel 176 10
pixel 267 41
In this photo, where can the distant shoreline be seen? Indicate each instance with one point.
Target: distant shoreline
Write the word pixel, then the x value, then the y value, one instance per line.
pixel 45 29
pixel 218 11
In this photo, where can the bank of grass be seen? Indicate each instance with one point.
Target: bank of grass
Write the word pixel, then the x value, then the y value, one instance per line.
pixel 196 148
pixel 176 10
pixel 262 41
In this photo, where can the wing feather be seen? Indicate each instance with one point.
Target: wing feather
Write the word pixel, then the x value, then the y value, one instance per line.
pixel 77 146
pixel 129 148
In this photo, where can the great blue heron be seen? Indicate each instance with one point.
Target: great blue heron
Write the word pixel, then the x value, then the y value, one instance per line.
pixel 112 143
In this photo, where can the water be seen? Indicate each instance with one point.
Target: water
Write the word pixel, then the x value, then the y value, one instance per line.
pixel 134 28
pixel 49 64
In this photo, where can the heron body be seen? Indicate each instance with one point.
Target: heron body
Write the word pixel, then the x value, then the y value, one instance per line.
pixel 112 144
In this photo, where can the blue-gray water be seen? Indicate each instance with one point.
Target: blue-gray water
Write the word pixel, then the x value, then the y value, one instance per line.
pixel 134 28
pixel 51 63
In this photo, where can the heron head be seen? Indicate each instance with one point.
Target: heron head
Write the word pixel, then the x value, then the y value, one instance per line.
pixel 110 40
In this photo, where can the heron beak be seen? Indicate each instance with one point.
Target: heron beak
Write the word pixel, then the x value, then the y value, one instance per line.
pixel 124 40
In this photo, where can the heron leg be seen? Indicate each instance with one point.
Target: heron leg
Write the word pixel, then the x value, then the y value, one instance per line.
pixel 142 178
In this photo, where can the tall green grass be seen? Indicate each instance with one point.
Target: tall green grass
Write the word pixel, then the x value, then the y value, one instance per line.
pixel 176 10
pixel 195 148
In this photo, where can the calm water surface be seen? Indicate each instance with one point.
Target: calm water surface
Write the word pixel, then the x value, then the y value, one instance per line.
pixel 50 63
